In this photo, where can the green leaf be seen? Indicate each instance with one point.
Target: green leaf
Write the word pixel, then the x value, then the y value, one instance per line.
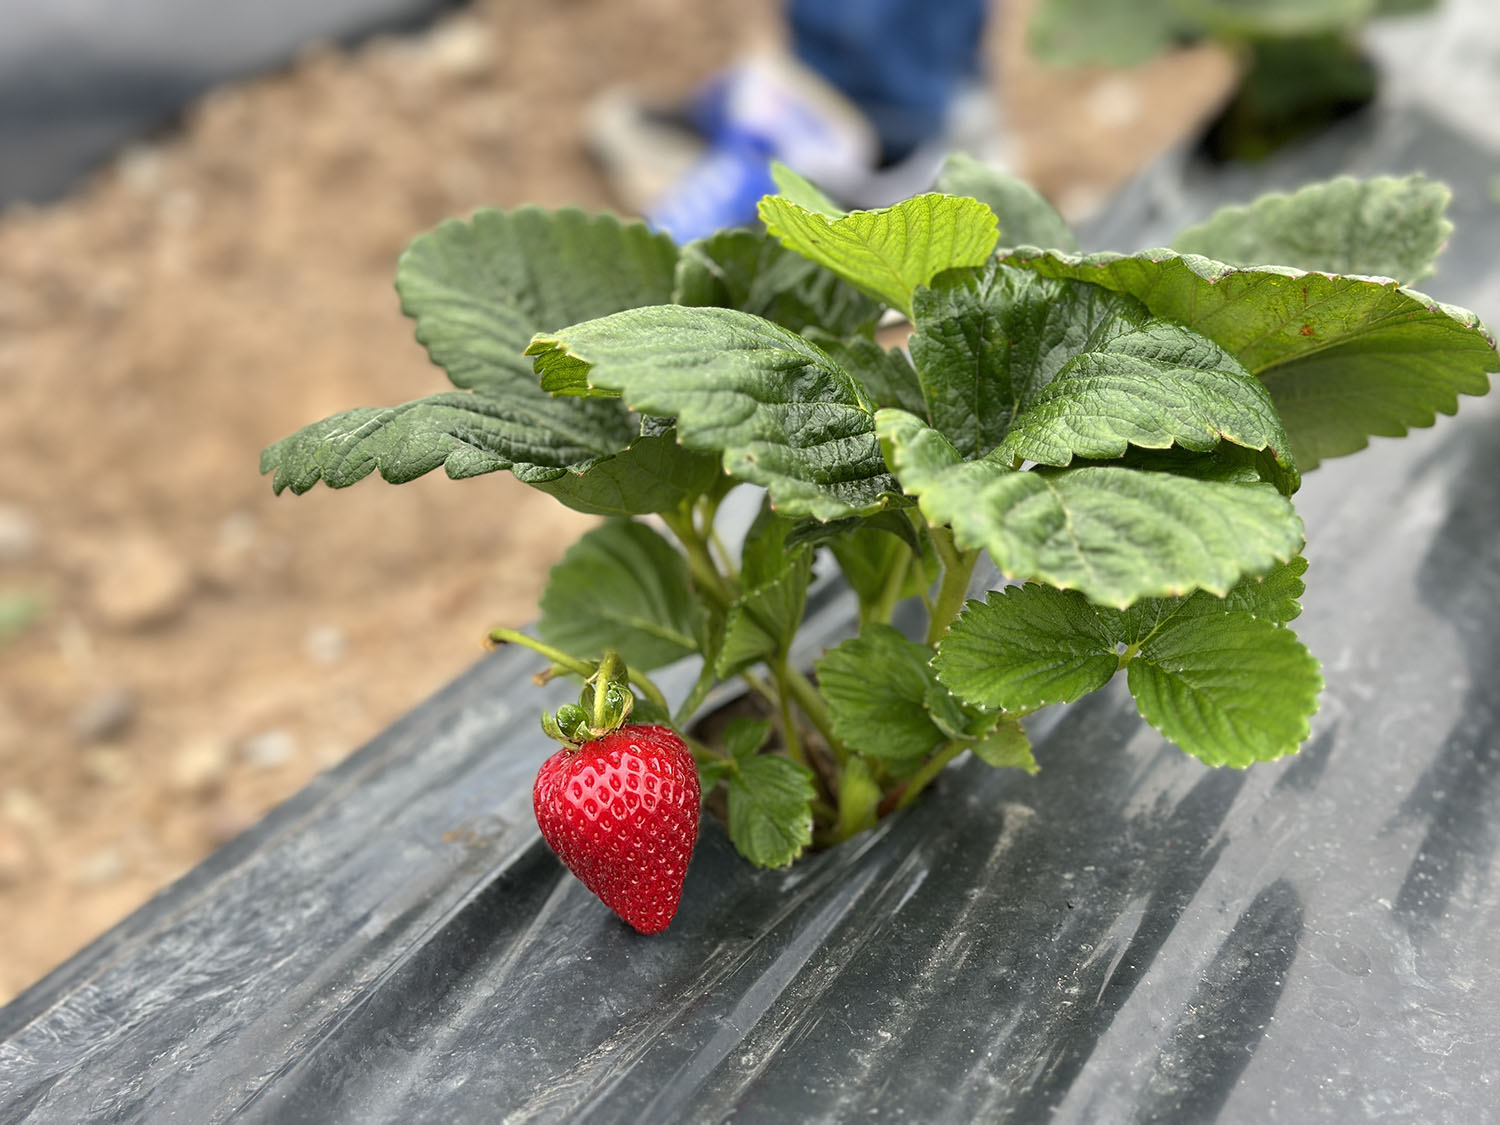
pixel 1228 464
pixel 466 433
pixel 865 556
pixel 891 521
pixel 988 340
pixel 1118 33
pixel 1228 688
pixel 747 270
pixel 888 253
pixel 780 412
pixel 1026 218
pixel 621 586
pixel 1158 386
pixel 1116 534
pixel 886 375
pixel 770 809
pixel 1025 647
pixel 743 737
pixel 1385 227
pixel 769 549
pixel 876 686
pixel 1272 596
pixel 651 474
pixel 582 453
pixel 644 711
pixel 951 715
pixel 803 192
pixel 761 623
pixel 1343 357
pixel 479 290
pixel 1007 747
pixel 711 771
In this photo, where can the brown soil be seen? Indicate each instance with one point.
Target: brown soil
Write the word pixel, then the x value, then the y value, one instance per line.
pixel 205 648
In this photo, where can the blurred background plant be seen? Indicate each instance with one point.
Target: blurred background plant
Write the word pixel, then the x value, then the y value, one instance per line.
pixel 1301 64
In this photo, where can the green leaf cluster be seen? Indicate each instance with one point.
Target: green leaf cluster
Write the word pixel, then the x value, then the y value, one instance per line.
pixel 1122 435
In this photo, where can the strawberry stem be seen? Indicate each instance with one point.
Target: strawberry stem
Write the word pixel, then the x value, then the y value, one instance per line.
pixel 700 563
pixel 585 669
pixel 930 769
pixel 789 732
pixel 812 704
pixel 958 567
pixel 608 673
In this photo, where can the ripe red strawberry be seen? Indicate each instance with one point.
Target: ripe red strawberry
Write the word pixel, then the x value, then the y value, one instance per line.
pixel 622 813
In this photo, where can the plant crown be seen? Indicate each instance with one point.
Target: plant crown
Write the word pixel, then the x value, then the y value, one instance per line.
pixel 1121 434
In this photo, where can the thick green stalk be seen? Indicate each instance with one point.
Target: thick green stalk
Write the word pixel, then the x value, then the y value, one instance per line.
pixel 895 582
pixel 812 704
pixel 958 567
pixel 789 733
pixel 700 561
pixel 930 769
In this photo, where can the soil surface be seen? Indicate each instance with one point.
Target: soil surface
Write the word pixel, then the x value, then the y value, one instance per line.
pixel 179 649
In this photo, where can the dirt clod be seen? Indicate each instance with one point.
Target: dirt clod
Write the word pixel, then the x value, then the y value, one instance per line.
pixel 105 714
pixel 138 582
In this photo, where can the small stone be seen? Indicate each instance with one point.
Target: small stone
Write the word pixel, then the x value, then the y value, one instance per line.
pixel 140 583
pixel 105 715
pixel 231 559
pixel 22 808
pixel 141 168
pixel 270 749
pixel 236 533
pixel 325 644
pixel 104 866
pixel 458 49
pixel 18 534
pixel 108 766
pixel 199 767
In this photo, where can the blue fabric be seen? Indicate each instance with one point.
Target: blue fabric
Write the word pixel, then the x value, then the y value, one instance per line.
pixel 720 191
pixel 900 61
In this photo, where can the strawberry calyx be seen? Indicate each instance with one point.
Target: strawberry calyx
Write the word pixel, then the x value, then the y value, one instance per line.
pixel 603 706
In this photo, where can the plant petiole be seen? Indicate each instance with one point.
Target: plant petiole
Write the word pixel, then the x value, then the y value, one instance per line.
pixel 930 769
pixel 895 582
pixel 789 733
pixel 700 562
pixel 958 567
pixel 812 704
pixel 500 635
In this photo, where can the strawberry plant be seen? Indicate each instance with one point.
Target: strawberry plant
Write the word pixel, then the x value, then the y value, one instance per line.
pixel 1121 434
